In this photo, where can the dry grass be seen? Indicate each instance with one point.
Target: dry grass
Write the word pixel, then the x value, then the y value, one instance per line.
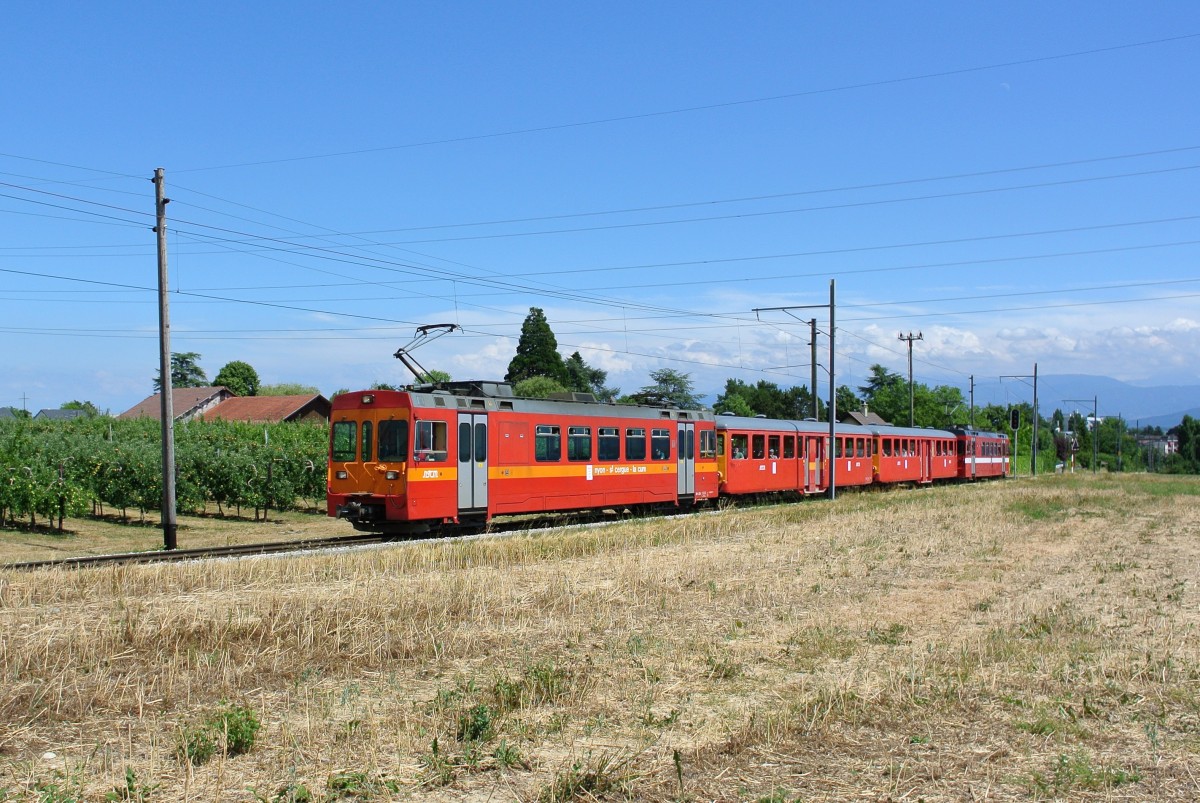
pixel 997 642
pixel 103 536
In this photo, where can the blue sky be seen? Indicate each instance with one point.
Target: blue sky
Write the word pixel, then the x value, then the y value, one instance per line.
pixel 1017 182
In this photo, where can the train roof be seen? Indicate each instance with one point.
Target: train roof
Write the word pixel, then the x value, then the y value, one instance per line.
pixel 725 421
pixel 498 396
pixel 979 433
pixel 817 427
pixel 912 432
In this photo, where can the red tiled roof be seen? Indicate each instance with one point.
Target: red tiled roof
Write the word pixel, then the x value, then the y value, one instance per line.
pixel 268 408
pixel 183 400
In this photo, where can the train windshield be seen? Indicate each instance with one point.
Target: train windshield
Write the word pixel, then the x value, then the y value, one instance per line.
pixel 393 440
pixel 343 441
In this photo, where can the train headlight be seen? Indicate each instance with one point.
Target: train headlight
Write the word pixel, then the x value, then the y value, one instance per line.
pixel 392 475
pixel 342 475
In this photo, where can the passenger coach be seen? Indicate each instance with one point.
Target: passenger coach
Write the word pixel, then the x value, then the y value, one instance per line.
pixel 982 455
pixel 463 452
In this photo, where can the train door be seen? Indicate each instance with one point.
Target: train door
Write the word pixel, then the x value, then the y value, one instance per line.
pixel 686 459
pixel 971 456
pixel 926 460
pixel 472 462
pixel 812 464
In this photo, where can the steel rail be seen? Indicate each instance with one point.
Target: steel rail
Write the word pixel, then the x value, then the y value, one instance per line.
pixel 197 553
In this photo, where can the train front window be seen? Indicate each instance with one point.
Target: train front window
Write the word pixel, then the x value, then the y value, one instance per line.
pixel 344 445
pixel 431 441
pixel 366 441
pixel 393 440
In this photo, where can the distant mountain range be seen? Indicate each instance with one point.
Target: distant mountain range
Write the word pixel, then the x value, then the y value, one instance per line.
pixel 1161 406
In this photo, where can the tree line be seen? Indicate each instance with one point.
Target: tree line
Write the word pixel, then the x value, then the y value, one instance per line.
pixel 538 370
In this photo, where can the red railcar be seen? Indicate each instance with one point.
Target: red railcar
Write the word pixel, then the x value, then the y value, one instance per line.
pixel 910 454
pixel 762 455
pixel 463 452
pixel 982 455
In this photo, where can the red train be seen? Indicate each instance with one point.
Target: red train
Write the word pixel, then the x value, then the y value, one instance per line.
pixel 462 453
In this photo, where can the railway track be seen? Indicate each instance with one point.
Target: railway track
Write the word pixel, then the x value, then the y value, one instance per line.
pixel 524 524
pixel 200 553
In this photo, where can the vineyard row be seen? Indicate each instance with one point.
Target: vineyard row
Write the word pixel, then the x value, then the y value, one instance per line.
pixel 72 468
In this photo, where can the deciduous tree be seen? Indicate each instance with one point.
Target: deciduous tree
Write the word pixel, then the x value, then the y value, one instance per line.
pixel 240 377
pixel 287 389
pixel 670 387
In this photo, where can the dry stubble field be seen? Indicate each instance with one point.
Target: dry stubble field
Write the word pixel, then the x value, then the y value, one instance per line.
pixel 1011 641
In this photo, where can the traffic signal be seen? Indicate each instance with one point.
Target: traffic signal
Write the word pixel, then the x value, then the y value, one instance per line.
pixel 1014 418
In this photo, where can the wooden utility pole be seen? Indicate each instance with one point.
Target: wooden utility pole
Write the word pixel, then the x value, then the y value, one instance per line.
pixel 166 386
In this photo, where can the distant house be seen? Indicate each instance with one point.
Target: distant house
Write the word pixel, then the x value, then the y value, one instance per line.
pixel 864 418
pixel 269 409
pixel 60 415
pixel 7 412
pixel 186 403
pixel 1164 444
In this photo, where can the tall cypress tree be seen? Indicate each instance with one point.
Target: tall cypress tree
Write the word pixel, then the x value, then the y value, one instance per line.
pixel 537 351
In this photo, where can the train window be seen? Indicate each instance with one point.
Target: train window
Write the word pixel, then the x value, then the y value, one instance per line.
pixel 862 447
pixel 343 442
pixel 708 444
pixel 464 442
pixel 608 443
pixel 635 444
pixel 547 443
pixel 686 450
pixel 773 446
pixel 431 441
pixel 366 441
pixel 758 446
pixel 887 447
pixel 721 444
pixel 660 444
pixel 740 449
pixel 393 440
pixel 870 447
pixel 579 443
pixel 480 443
pixel 789 447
